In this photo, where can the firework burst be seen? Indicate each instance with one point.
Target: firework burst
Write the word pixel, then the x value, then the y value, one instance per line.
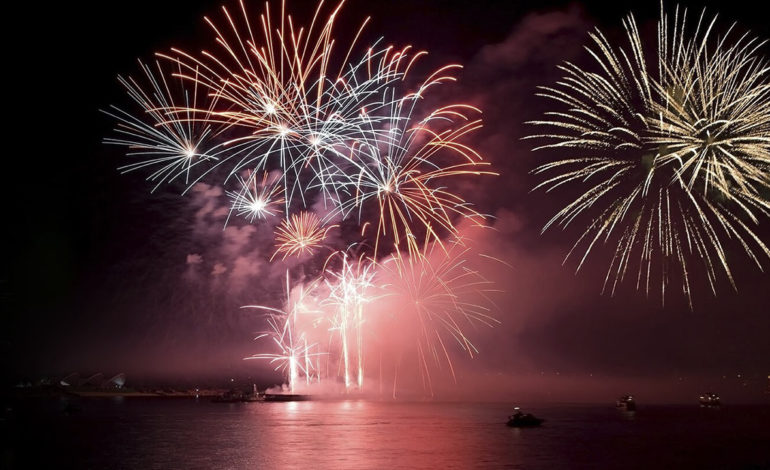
pixel 300 234
pixel 255 199
pixel 647 145
pixel 165 135
pixel 405 177
pixel 713 117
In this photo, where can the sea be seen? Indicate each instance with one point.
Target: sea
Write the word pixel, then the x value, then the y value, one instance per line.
pixel 156 433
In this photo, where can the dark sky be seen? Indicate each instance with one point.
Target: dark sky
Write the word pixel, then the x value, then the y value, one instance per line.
pixel 95 273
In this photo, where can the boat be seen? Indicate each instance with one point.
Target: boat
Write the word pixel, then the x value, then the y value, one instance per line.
pixel 626 403
pixel 523 420
pixel 709 400
pixel 286 397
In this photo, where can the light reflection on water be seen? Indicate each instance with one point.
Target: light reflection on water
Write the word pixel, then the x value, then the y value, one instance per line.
pixel 179 433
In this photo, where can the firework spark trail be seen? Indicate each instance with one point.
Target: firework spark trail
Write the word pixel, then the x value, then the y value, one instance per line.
pixel 163 136
pixel 294 352
pixel 651 145
pixel 291 350
pixel 350 289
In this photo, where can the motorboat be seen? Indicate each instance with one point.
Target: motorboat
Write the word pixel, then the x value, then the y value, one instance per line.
pixel 626 403
pixel 709 400
pixel 523 420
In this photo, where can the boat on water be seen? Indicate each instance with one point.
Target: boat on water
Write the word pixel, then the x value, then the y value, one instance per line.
pixel 709 400
pixel 626 403
pixel 286 397
pixel 523 420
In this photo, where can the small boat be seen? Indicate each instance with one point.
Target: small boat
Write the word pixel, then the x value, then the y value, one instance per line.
pixel 626 403
pixel 709 400
pixel 286 397
pixel 523 420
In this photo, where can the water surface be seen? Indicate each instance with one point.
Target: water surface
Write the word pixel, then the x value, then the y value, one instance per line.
pixel 185 433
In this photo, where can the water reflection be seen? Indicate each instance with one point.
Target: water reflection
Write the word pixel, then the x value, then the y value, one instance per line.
pixel 291 407
pixel 361 434
pixel 628 415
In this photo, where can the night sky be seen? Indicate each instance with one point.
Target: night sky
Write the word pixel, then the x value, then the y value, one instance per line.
pixel 99 274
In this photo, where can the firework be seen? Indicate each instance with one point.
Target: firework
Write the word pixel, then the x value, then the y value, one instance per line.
pixel 405 178
pixel 713 117
pixel 159 137
pixel 291 350
pixel 300 234
pixel 633 135
pixel 255 199
pixel 294 352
